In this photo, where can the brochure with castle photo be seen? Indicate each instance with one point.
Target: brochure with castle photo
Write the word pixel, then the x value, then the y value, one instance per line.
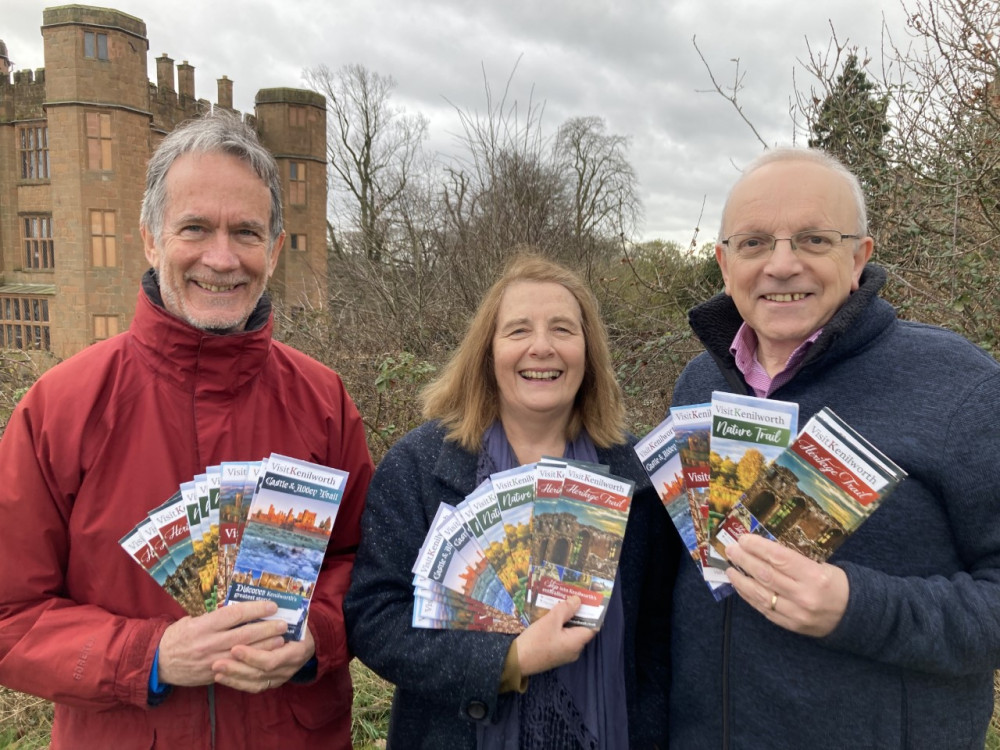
pixel 180 543
pixel 290 520
pixel 579 538
pixel 661 460
pixel 817 492
pixel 550 473
pixel 183 584
pixel 136 545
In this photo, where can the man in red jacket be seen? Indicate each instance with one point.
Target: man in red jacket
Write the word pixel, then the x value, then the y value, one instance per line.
pixel 109 434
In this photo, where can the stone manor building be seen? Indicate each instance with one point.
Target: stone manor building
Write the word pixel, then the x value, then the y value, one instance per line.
pixel 75 137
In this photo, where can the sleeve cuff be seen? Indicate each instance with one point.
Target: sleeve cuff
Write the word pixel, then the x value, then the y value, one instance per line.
pixel 510 678
pixel 307 672
pixel 158 691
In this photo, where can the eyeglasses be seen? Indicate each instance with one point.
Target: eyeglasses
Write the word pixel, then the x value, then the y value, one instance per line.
pixel 809 241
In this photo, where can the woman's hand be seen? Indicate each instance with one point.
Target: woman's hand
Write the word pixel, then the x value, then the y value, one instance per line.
pixel 547 643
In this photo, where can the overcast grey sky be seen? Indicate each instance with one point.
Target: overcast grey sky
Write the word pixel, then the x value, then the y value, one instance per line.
pixel 631 62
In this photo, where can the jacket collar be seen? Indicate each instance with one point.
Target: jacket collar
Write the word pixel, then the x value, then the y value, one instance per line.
pixel 193 358
pixel 716 322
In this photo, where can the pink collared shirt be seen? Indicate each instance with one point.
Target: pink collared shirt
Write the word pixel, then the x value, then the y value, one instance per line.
pixel 744 350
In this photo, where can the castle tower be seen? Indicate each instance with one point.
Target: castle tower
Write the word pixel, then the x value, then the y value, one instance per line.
pixel 292 125
pixel 97 110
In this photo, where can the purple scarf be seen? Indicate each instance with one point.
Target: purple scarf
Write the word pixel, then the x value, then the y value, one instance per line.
pixel 578 705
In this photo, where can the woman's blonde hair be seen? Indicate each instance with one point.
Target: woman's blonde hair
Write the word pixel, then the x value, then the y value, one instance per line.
pixel 465 397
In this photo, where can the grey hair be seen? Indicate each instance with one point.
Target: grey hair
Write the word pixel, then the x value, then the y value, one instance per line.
pixel 814 156
pixel 219 131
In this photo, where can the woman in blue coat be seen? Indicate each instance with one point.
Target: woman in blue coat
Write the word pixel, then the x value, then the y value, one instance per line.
pixel 532 377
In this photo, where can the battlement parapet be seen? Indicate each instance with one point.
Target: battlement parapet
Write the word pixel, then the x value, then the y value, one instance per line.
pixel 290 96
pixel 87 15
pixel 23 99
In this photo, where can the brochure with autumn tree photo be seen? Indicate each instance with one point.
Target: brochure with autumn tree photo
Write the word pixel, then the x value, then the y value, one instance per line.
pixel 693 433
pixel 748 433
pixel 515 492
pixel 567 518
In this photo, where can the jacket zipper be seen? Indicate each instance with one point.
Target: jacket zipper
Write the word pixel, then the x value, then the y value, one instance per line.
pixel 726 647
pixel 211 713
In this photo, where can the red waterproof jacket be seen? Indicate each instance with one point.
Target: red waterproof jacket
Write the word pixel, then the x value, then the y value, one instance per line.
pixel 97 442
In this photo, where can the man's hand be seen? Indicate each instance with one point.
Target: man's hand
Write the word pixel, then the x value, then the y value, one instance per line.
pixel 788 588
pixel 190 646
pixel 546 644
pixel 255 669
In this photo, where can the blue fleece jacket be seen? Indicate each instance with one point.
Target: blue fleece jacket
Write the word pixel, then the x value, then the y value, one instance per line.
pixel 910 665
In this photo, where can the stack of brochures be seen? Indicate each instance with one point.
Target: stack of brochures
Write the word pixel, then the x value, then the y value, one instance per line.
pixel 735 466
pixel 521 542
pixel 243 531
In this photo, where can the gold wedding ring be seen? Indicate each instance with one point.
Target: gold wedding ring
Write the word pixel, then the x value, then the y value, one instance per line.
pixel 774 601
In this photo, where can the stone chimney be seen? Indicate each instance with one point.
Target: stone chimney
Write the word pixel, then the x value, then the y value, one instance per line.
pixel 225 98
pixel 185 80
pixel 165 73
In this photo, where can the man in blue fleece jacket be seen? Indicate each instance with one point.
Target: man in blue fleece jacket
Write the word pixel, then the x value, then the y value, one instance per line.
pixel 892 643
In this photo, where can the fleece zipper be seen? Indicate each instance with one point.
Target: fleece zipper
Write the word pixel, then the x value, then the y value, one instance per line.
pixel 727 627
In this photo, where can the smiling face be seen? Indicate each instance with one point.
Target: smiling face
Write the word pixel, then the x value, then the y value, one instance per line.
pixel 539 352
pixel 786 296
pixel 212 258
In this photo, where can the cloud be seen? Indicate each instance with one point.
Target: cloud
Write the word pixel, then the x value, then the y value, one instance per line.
pixel 631 63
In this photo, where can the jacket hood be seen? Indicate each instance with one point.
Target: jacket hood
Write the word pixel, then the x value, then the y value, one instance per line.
pixel 190 356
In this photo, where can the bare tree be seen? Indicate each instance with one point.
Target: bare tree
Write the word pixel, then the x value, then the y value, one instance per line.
pixel 502 191
pixel 373 150
pixel 600 179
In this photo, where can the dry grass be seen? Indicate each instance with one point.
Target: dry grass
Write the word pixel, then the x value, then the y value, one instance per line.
pixel 25 721
pixel 372 699
pixel 995 723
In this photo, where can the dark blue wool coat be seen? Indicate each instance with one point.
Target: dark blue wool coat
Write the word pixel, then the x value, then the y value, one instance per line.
pixel 447 680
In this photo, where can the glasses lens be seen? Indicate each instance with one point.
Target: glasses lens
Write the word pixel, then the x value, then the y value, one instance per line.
pixel 751 245
pixel 816 241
